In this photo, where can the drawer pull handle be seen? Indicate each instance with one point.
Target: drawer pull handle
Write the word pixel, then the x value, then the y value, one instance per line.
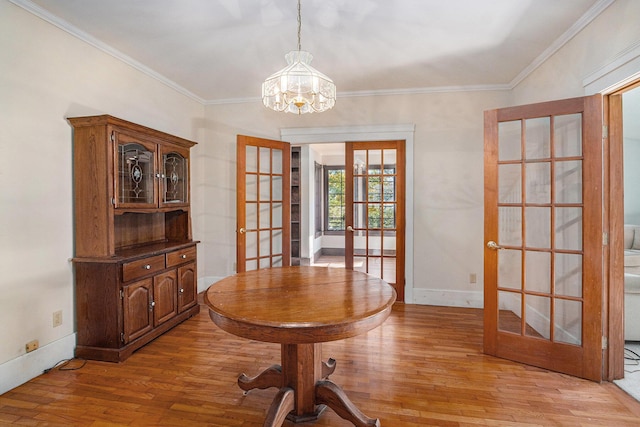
pixel 183 256
pixel 147 267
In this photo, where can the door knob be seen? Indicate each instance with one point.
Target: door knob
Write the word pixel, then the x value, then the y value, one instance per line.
pixel 242 230
pixel 493 245
pixel 350 228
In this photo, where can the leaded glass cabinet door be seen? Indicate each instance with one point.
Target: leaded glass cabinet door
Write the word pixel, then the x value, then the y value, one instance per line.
pixel 135 180
pixel 374 210
pixel 174 178
pixel 263 204
pixel 544 235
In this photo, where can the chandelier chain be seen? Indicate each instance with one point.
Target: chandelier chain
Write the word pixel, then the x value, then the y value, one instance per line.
pixel 299 26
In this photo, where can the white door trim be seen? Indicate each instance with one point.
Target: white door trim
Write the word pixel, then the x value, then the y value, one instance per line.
pixel 297 136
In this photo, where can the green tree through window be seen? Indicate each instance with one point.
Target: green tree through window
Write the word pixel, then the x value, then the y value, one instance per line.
pixel 380 196
pixel 335 210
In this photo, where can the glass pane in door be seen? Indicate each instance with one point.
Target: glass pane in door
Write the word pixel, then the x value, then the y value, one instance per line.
pixel 540 228
pixel 374 207
pixel 176 178
pixel 263 222
pixel 136 174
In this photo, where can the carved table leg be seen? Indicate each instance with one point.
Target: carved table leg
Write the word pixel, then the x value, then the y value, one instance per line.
pixel 328 367
pixel 328 393
pixel 301 369
pixel 270 377
pixel 282 404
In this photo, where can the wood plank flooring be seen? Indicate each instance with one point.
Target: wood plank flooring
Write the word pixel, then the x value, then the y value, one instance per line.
pixel 423 367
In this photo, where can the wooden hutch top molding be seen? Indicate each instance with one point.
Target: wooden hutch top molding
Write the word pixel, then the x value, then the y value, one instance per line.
pixel 140 130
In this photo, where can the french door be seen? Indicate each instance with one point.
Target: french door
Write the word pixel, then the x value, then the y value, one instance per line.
pixel 544 235
pixel 263 201
pixel 374 210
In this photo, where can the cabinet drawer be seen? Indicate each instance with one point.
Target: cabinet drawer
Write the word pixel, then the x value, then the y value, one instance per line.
pixel 135 269
pixel 181 256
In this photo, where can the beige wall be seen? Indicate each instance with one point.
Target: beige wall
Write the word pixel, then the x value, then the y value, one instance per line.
pixel 448 204
pixel 606 41
pixel 47 75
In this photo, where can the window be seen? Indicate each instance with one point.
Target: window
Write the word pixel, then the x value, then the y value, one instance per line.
pixel 334 211
pixel 318 198
pixel 381 189
pixel 378 187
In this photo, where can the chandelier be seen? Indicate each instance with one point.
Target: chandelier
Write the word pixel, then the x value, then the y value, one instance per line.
pixel 299 88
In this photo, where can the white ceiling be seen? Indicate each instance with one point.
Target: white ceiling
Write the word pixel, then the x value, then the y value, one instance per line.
pixel 221 50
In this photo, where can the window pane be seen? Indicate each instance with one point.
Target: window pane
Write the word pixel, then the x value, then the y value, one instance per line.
pixel 251 216
pixel 265 187
pixel 510 269
pixel 389 160
pixel 389 188
pixel 510 226
pixel 509 312
pixel 276 184
pixel 252 244
pixel 359 162
pixel 568 321
pixel 265 243
pixel 276 215
pixel 509 183
pixel 265 160
pixel 568 133
pixel 569 228
pixel 569 182
pixel 568 274
pixel 335 207
pixel 538 182
pixel 375 212
pixel 277 161
pixel 538 136
pixel 375 189
pixel 509 140
pixel 538 271
pixel 389 216
pixel 538 227
pixel 251 188
pixel 538 315
pixel 265 215
pixel 251 158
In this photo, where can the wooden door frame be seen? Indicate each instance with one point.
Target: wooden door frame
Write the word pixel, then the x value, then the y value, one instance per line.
pixel 587 359
pixel 400 180
pixel 613 174
pixel 298 136
pixel 242 141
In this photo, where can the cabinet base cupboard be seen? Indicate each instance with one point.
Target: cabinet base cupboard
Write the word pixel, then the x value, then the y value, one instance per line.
pixel 135 260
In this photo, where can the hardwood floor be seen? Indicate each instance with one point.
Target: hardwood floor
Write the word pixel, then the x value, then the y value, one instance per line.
pixel 423 367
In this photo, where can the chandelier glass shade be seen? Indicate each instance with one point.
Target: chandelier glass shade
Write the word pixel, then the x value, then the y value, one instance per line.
pixel 299 88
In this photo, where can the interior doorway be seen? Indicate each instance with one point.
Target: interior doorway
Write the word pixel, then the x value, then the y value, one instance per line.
pixel 306 137
pixel 624 306
pixel 353 217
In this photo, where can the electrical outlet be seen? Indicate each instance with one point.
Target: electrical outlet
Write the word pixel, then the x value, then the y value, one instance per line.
pixel 57 318
pixel 473 278
pixel 32 345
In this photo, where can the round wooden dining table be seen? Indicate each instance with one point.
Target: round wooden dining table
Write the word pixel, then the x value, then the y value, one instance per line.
pixel 299 308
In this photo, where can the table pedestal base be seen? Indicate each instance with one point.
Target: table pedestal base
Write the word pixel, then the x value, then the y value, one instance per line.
pixel 305 390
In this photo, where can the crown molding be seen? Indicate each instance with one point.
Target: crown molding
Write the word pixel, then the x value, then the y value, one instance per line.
pixel 578 26
pixel 89 39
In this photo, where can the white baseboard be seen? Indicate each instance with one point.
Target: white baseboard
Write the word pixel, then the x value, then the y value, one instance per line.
pixel 448 298
pixel 28 366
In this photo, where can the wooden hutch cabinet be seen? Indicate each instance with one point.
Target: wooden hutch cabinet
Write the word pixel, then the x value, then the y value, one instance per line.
pixel 135 260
